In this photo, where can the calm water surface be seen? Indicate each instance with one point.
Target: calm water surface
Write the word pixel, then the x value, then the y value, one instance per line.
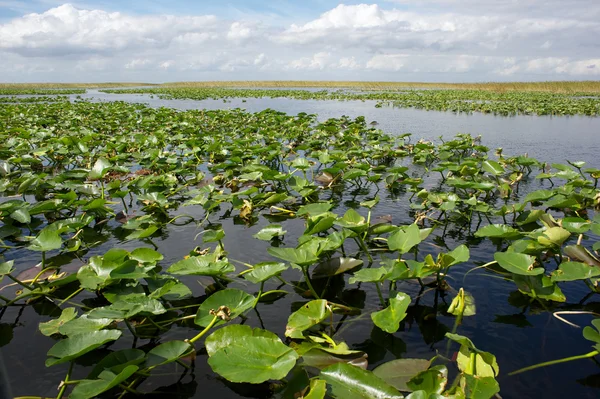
pixel 519 335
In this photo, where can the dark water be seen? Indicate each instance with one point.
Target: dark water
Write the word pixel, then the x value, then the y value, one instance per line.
pixel 519 335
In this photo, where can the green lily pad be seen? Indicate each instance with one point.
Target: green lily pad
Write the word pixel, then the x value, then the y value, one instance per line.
pixel 572 271
pixel 431 381
pixel 269 232
pixel 168 352
pixel 398 372
pixel 517 263
pixel 235 300
pixel 264 271
pixel 311 314
pixel 300 256
pixel 498 231
pixel 205 265
pixel 351 382
pixel 335 266
pixel 389 318
pixel 405 239
pixel 87 389
pixel 73 347
pixel 246 355
pixel 52 327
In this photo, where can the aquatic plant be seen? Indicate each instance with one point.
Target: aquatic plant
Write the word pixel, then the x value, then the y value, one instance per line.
pixel 105 183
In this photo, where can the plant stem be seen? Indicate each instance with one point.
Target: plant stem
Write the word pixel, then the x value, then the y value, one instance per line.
pixel 70 296
pixel 64 386
pixel 552 362
pixel 380 294
pixel 212 323
pixel 362 244
pixel 310 287
pixel 262 284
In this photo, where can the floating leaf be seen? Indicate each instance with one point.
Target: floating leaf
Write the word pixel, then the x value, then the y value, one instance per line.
pixel 404 239
pixel 477 387
pixel 241 354
pixel 117 361
pixel 146 255
pixel 572 271
pixel 299 256
pixel 86 389
pixel 389 318
pixel 237 302
pixel 431 381
pixel 270 232
pixel 498 231
pixel 517 263
pixel 351 382
pixel 311 314
pixel 168 352
pixel 78 345
pixel 335 266
pixel 205 265
pixel 398 372
pixel 321 358
pixel 264 271
pixel 51 327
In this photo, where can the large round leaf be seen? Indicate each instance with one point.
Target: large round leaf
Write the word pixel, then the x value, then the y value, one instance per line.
pixel 398 372
pixel 106 380
pixel 572 271
pixel 264 271
pixel 246 356
pixel 335 266
pixel 201 266
pixel 404 239
pixel 389 318
pixel 235 300
pixel 518 263
pixel 307 316
pixel 78 345
pixel 167 353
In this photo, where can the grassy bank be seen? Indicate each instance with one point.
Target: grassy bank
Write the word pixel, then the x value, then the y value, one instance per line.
pixel 551 87
pixel 500 87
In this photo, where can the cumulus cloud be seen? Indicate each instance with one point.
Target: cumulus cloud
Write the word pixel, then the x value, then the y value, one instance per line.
pixel 436 39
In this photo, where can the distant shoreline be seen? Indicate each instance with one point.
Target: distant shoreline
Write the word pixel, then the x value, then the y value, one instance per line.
pixel 588 86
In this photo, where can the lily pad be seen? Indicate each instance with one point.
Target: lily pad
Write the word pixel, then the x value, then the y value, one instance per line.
pixel 398 372
pixel 243 355
pixel 235 300
pixel 351 382
pixel 389 318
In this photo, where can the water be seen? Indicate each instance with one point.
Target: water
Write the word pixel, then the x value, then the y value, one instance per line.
pixel 517 333
pixel 549 138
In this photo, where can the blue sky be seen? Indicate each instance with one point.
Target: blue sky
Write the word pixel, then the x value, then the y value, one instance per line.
pixel 426 40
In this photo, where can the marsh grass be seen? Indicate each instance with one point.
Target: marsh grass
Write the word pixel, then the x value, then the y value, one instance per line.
pixel 550 87
pixel 568 87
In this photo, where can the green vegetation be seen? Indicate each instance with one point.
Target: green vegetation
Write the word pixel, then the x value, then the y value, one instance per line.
pixel 53 86
pixel 551 87
pixel 36 91
pixel 76 175
pixel 568 87
pixel 503 103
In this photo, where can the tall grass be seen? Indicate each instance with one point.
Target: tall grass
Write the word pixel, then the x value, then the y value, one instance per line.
pixel 552 86
pixel 567 87
pixel 71 85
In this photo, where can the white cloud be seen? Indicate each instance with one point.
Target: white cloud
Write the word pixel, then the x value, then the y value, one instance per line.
pixel 436 39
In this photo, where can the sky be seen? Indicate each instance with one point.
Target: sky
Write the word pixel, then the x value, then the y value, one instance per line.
pixel 390 40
